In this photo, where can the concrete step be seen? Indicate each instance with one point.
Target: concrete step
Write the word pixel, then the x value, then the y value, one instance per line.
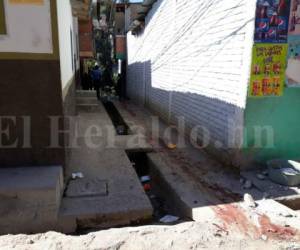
pixel 85 93
pixel 88 108
pixel 104 212
pixel 87 100
pixel 30 199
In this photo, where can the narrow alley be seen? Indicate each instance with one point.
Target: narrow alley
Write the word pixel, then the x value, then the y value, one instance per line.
pixel 149 124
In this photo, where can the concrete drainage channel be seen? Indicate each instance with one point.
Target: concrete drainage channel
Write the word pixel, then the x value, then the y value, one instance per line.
pixel 165 203
pixel 163 199
pixel 117 120
pixel 168 187
pixel 165 208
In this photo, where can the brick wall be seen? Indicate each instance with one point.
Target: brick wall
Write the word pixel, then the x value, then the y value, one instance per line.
pixel 193 60
pixel 120 44
pixel 85 36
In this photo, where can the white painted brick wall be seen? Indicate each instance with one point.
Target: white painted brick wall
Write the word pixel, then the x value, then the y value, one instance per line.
pixel 193 60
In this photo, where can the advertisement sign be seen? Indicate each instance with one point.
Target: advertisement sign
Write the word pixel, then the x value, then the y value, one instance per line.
pixel 268 70
pixel 272 21
pixel 293 64
pixel 294 26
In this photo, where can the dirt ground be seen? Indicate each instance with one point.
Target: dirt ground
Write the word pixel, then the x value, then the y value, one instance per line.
pixel 189 235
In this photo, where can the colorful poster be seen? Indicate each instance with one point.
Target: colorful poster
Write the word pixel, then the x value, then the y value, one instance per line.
pixel 272 21
pixel 293 64
pixel 34 2
pixel 294 25
pixel 268 70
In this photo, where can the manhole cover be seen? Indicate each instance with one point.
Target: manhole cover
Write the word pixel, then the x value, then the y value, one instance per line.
pixel 87 187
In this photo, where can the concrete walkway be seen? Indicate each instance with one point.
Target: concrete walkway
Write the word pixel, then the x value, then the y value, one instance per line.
pixel 195 185
pixel 110 194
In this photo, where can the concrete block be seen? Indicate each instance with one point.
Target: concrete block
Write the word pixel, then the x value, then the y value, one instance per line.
pixel 30 198
pixel 188 199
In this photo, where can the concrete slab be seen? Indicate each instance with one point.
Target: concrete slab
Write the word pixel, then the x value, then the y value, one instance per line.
pixel 290 196
pixel 87 188
pixel 189 198
pixel 108 137
pixel 30 178
pixel 102 157
pixel 125 200
pixel 30 199
pixel 93 116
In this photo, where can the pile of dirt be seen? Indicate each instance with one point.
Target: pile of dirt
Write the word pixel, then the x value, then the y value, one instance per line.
pixel 190 235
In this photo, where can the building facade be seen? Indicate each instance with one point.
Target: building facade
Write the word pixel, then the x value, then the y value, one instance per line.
pixel 38 61
pixel 31 83
pixel 194 60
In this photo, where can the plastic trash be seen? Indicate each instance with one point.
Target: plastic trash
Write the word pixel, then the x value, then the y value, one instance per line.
pixel 169 219
pixel 260 176
pixel 289 171
pixel 172 146
pixel 78 175
pixel 247 184
pixel 147 187
pixel 249 201
pixel 145 178
pixel 120 130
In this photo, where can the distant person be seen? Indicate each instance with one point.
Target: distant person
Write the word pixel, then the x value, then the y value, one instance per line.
pixel 96 77
pixel 89 80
